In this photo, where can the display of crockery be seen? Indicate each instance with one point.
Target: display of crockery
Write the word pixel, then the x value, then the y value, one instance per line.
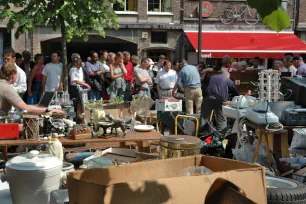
pixel 143 128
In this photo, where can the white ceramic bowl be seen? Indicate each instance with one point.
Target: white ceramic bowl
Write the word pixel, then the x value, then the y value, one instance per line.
pixel 143 128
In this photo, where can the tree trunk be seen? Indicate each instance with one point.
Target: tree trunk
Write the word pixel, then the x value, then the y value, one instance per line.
pixel 64 54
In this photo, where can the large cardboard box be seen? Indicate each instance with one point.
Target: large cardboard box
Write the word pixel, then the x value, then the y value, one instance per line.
pixel 161 182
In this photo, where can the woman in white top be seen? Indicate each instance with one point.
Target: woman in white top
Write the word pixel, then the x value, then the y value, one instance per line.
pixel 117 70
pixel 77 79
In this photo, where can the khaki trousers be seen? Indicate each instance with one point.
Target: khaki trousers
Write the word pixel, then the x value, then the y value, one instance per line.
pixel 193 96
pixel 164 93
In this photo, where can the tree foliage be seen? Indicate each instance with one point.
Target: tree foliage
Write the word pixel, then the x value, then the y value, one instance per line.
pixel 78 17
pixel 271 13
pixel 72 17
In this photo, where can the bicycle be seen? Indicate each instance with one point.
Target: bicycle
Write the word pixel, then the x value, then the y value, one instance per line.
pixel 232 13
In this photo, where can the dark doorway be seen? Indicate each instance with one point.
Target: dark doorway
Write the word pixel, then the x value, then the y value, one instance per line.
pixel 95 43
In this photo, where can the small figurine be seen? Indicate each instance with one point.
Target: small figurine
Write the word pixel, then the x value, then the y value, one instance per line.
pixel 118 123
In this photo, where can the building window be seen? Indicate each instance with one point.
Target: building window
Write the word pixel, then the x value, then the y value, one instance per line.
pixel 160 6
pixel 129 5
pixel 154 54
pixel 159 37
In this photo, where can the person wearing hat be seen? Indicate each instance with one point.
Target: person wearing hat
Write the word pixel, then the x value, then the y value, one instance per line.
pixel 160 63
pixel 299 64
pixel 77 79
pixel 287 61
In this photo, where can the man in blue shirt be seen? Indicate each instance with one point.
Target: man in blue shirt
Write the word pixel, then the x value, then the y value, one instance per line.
pixel 94 71
pixel 299 64
pixel 216 93
pixel 189 80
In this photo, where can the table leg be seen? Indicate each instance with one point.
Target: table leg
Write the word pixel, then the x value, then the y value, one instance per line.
pixel 266 143
pixel 259 135
pixel 162 127
pixel 4 153
pixel 271 141
pixel 284 145
pixel 122 144
pixel 143 146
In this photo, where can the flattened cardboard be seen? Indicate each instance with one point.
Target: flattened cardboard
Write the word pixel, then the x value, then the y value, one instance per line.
pixel 160 182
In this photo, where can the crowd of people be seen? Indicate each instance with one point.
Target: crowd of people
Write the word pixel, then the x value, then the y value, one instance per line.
pixel 107 75
pixel 290 63
pixel 118 76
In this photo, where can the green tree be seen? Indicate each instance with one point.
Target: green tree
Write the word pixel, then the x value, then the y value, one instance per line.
pixel 272 14
pixel 74 18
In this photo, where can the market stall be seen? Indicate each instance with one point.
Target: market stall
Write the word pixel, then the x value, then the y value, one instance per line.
pixel 259 132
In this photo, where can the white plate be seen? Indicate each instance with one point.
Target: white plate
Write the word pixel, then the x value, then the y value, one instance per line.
pixel 143 128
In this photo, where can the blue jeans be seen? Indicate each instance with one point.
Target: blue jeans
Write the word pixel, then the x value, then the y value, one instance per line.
pixel 36 90
pixel 93 94
pixel 127 93
pixel 145 92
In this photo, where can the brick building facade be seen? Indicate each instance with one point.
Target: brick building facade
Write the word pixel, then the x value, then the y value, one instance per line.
pixel 214 24
pixel 300 18
pixel 148 28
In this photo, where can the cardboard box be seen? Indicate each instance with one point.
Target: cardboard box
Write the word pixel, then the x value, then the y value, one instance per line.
pixel 161 182
pixel 166 105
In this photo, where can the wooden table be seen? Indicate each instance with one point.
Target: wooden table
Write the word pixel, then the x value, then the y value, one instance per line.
pixel 140 138
pixel 267 138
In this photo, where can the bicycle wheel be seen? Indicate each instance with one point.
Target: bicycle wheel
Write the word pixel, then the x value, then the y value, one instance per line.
pixel 251 17
pixel 227 17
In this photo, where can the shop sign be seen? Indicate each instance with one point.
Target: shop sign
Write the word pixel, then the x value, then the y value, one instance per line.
pixel 208 55
pixel 144 35
pixel 206 9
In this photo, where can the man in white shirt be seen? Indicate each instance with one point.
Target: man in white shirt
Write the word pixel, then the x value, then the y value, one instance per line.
pixel 287 61
pixel 166 79
pixel 20 85
pixel 53 75
pixel 77 79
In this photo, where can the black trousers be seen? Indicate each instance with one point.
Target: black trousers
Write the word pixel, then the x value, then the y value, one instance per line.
pixel 209 103
pixel 74 94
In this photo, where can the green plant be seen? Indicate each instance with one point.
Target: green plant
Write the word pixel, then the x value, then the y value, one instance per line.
pixel 272 14
pixel 92 104
pixel 116 100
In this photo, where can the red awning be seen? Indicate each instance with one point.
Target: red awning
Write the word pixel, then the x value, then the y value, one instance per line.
pixel 247 44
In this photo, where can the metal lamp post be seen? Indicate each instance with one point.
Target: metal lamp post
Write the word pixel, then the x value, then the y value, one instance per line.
pixel 200 32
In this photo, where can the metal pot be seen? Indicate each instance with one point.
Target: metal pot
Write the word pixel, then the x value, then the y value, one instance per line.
pixel 179 146
pixel 67 167
pixel 32 177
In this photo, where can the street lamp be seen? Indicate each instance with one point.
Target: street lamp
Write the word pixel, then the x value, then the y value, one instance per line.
pixel 200 32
